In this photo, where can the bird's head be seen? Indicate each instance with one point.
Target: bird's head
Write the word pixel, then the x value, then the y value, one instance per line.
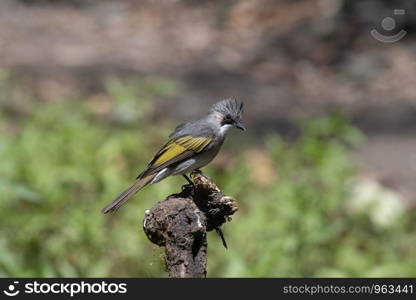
pixel 229 112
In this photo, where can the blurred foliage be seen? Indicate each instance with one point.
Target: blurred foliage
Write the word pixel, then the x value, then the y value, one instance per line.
pixel 62 161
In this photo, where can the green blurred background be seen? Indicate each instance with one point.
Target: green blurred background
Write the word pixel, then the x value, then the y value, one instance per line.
pixel 322 176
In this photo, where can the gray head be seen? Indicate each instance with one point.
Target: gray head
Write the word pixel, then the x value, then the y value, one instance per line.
pixel 229 113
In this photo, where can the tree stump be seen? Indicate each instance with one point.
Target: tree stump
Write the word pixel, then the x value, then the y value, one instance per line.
pixel 180 224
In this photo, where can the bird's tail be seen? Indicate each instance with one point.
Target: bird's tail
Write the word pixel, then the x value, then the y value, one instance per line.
pixel 127 194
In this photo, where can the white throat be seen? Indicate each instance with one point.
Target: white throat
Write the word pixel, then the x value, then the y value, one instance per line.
pixel 224 128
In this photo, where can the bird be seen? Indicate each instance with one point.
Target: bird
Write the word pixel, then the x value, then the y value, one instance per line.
pixel 191 146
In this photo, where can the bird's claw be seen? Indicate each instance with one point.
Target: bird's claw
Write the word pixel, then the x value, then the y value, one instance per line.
pixel 188 186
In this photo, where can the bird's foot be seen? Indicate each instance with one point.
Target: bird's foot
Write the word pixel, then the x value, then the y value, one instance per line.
pixel 189 180
pixel 189 185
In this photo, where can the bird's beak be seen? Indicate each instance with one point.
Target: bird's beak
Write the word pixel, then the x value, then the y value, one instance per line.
pixel 240 126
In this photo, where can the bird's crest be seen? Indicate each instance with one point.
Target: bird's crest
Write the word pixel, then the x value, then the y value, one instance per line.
pixel 229 107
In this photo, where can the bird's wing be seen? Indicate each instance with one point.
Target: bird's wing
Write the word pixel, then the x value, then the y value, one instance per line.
pixel 174 151
pixel 179 128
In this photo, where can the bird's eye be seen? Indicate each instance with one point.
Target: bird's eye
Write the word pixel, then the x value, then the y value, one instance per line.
pixel 227 119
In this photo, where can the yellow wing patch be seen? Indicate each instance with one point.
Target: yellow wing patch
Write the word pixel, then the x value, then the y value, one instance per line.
pixel 170 151
pixel 179 146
